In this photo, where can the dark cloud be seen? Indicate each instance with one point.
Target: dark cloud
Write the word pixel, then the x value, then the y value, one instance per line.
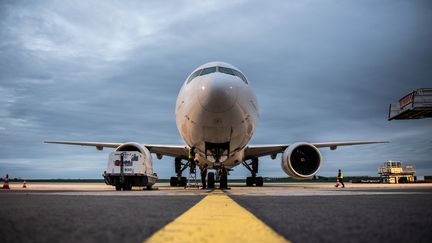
pixel 111 72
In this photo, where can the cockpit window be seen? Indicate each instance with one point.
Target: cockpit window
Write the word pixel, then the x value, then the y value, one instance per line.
pixel 201 72
pixel 208 70
pixel 194 75
pixel 233 72
pixel 226 70
pixel 240 75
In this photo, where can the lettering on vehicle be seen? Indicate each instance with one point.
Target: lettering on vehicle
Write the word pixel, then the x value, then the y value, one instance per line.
pixel 407 99
pixel 129 170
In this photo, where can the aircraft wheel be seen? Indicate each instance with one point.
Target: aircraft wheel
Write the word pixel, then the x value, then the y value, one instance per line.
pixel 118 188
pixel 211 180
pixel 183 181
pixel 203 179
pixel 173 181
pixel 259 181
pixel 249 181
pixel 224 181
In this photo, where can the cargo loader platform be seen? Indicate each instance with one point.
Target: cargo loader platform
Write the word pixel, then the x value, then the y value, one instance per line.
pixel 415 105
pixel 395 172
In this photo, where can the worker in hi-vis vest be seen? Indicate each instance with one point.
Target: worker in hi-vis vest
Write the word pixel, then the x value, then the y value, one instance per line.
pixel 340 178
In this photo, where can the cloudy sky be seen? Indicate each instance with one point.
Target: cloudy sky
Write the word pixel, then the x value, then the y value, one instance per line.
pixel 111 70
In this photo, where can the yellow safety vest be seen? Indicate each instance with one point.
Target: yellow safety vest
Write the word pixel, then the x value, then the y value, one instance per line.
pixel 340 176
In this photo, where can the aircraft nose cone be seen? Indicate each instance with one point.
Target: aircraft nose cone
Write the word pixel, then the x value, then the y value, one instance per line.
pixel 217 95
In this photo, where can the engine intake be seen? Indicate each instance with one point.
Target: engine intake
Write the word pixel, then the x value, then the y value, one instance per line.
pixel 301 160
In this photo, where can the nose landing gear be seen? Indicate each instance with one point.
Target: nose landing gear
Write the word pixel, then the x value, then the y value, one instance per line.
pixel 221 176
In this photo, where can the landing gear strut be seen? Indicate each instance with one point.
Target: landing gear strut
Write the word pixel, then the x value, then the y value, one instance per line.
pixel 203 176
pixel 253 168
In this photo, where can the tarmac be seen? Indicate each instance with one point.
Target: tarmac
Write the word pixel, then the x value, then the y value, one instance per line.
pixel 296 212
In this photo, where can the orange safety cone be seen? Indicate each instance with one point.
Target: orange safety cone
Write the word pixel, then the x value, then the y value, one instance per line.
pixel 6 183
pixel 24 184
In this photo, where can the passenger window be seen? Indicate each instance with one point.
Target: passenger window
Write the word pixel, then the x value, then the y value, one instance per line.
pixel 226 70
pixel 208 70
pixel 240 75
pixel 194 75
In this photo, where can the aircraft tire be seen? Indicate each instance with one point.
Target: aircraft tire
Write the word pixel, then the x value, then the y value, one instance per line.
pixel 173 181
pixel 224 181
pixel 183 181
pixel 249 181
pixel 211 180
pixel 259 181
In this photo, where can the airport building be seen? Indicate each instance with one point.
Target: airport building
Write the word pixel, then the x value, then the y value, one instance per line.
pixel 394 172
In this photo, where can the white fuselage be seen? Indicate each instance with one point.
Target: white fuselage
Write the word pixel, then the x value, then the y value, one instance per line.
pixel 217 114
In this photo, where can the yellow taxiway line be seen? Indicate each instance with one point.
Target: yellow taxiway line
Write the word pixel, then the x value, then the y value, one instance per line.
pixel 216 218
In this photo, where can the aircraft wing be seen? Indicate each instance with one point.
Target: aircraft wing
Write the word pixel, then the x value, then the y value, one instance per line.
pixel 273 149
pixel 160 150
pixel 168 150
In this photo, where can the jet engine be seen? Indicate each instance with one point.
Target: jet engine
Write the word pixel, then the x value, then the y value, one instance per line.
pixel 301 160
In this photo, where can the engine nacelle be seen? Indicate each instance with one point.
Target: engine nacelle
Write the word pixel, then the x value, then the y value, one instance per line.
pixel 301 160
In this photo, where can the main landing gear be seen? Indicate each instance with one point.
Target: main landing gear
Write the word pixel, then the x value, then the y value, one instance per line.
pixel 253 168
pixel 179 180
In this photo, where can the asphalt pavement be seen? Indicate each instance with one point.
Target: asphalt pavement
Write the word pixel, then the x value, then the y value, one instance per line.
pixel 299 212
pixel 359 218
pixel 57 218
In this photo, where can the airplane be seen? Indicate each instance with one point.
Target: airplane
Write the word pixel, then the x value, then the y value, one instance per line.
pixel 216 115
